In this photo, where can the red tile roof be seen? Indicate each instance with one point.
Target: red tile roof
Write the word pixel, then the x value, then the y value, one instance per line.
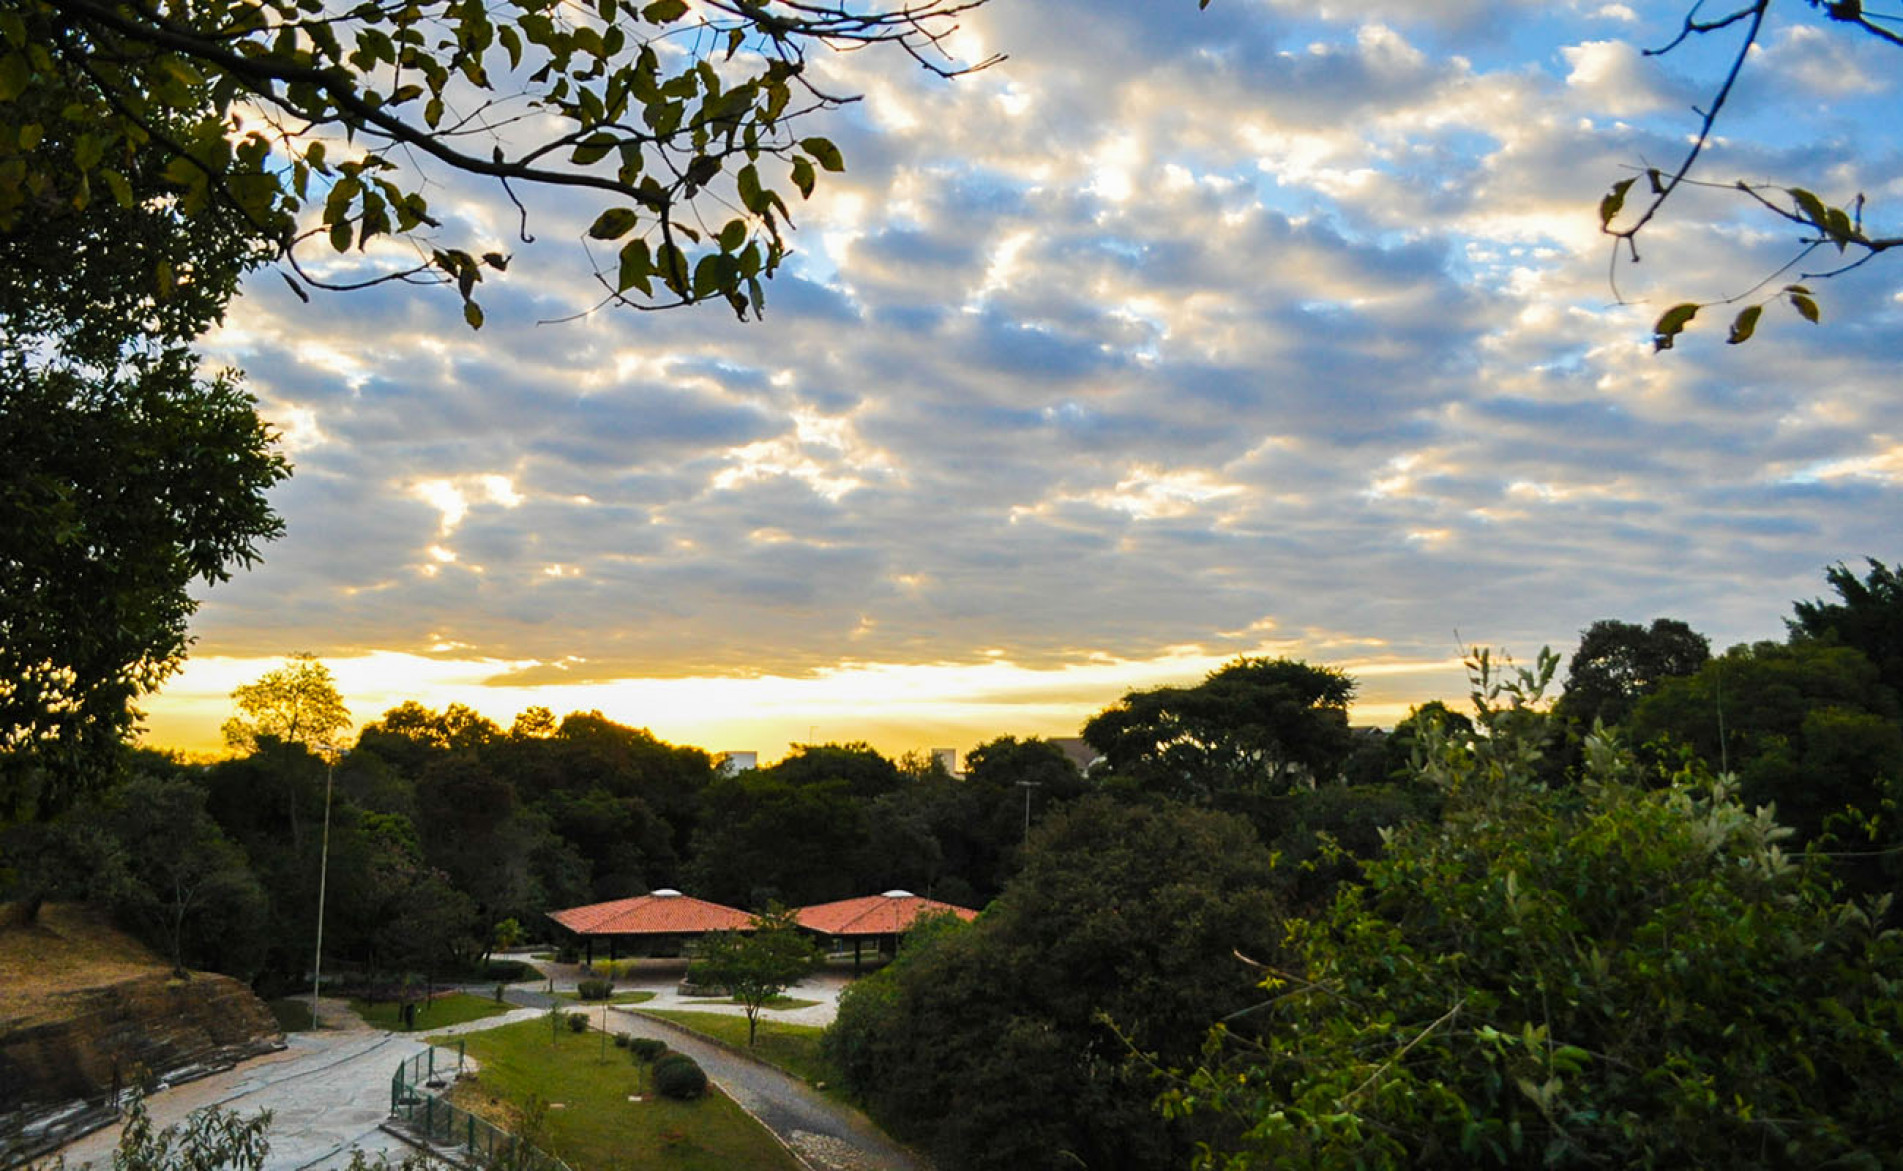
pixel 888 914
pixel 665 912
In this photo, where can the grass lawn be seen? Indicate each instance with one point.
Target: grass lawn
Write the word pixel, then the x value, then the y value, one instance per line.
pixel 453 1009
pixel 293 1016
pixel 776 1002
pixel 595 1127
pixel 617 998
pixel 792 1048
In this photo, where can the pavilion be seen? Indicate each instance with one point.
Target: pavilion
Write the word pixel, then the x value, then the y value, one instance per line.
pixel 880 919
pixel 657 923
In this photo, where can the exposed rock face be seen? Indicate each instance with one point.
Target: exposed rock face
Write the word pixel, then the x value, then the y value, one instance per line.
pixel 63 1062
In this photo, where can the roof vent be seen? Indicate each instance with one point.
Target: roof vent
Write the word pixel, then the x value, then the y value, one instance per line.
pixel 666 892
pixel 898 894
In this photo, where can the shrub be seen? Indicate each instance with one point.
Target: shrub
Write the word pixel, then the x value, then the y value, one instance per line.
pixel 647 1048
pixel 621 1040
pixel 595 989
pixel 508 971
pixel 679 1076
pixel 577 1022
pixel 499 990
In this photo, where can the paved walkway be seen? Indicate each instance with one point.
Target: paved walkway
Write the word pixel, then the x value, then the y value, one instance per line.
pixel 329 1092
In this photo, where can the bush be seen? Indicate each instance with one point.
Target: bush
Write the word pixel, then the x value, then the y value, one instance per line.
pixel 621 1040
pixel 508 971
pixel 578 1022
pixel 595 989
pixel 679 1076
pixel 647 1048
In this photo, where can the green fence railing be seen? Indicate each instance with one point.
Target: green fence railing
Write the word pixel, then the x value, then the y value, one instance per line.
pixel 418 1101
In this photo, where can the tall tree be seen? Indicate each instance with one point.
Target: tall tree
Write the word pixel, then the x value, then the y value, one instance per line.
pixel 1012 1043
pixel 1867 615
pixel 120 491
pixel 297 703
pixel 1256 727
pixel 1619 663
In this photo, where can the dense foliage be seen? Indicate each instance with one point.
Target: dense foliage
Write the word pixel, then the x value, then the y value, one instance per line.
pixel 1009 1043
pixel 1626 973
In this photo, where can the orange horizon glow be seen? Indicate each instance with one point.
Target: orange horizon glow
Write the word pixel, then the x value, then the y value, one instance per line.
pixel 896 708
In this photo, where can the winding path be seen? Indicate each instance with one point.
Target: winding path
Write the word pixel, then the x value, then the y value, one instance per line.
pixel 826 1134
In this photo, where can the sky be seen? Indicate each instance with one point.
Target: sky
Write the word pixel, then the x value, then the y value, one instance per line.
pixel 1277 328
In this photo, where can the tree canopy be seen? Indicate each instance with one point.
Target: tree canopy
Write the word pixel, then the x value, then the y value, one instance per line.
pixel 681 125
pixel 121 490
pixel 1254 726
pixel 297 703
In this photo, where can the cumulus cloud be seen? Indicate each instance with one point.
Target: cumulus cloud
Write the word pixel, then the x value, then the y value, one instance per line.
pixel 1279 326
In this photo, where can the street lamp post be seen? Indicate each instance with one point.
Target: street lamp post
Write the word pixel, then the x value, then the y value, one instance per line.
pixel 1027 786
pixel 323 879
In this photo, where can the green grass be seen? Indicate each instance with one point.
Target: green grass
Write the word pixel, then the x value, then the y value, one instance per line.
pixel 617 998
pixel 776 1002
pixel 439 1013
pixel 793 1049
pixel 293 1016
pixel 596 1128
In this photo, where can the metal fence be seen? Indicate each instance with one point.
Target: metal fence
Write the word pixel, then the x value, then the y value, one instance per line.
pixel 417 1101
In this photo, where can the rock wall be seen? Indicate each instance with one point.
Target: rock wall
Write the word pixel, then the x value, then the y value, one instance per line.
pixel 63 1064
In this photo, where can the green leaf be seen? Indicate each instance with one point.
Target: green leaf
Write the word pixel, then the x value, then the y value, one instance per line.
pixel 14 76
pixel 636 267
pixel 824 153
pixel 613 224
pixel 748 186
pixel 594 148
pixel 733 236
pixel 803 177
pixel 1837 223
pixel 664 11
pixel 1671 324
pixel 1615 200
pixel 1811 206
pixel 1806 308
pixel 116 183
pixel 340 235
pixel 472 313
pixel 1745 324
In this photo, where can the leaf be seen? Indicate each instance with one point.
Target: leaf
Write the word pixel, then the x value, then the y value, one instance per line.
pixel 1672 324
pixel 613 224
pixel 824 153
pixel 664 11
pixel 116 183
pixel 472 313
pixel 1613 202
pixel 747 183
pixel 296 288
pixel 1806 307
pixel 594 148
pixel 636 267
pixel 1745 324
pixel 803 177
pixel 733 236
pixel 1838 225
pixel 14 76
pixel 1811 206
pixel 340 235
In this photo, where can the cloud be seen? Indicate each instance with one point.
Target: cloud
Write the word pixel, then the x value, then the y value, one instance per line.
pixel 1277 326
